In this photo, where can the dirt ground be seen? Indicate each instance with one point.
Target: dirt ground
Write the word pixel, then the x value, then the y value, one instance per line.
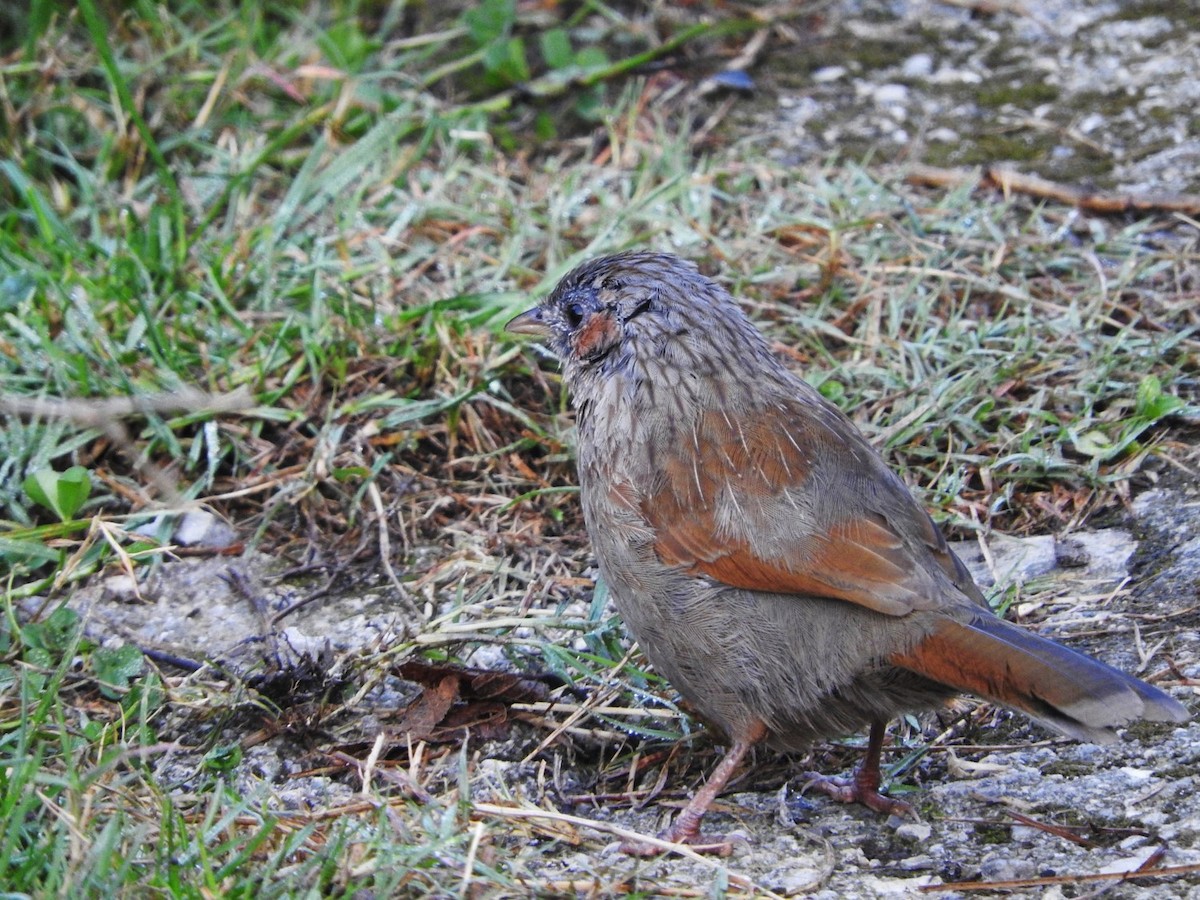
pixel 999 799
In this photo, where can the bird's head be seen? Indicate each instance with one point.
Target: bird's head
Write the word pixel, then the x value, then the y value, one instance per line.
pixel 636 310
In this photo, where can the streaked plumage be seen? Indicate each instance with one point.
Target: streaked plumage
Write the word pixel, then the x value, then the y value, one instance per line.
pixel 761 552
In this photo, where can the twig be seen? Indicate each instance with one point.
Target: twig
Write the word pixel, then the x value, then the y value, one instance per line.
pixel 99 412
pixel 105 414
pixel 1165 872
pixel 464 890
pixel 407 606
pixel 1009 181
pixel 1067 833
pixel 626 834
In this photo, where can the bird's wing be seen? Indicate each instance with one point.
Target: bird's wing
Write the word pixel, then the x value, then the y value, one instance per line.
pixel 791 498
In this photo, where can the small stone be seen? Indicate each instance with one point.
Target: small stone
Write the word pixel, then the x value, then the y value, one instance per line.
pixel 891 94
pixel 121 589
pixel 1129 863
pixel 1136 776
pixel 799 881
pixel 804 109
pixel 914 832
pixel 919 65
pixel 203 529
pixel 828 74
pixel 1003 868
pixel 304 645
pixel 947 75
pixel 1145 504
pixel 195 528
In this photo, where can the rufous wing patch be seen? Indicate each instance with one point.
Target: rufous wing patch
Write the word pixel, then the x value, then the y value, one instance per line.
pixel 742 569
pixel 733 479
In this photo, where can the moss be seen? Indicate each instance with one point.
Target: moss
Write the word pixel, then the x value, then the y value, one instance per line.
pixel 1168 9
pixel 1149 731
pixel 990 148
pixel 993 834
pixel 874 56
pixel 1180 770
pixel 1068 769
pixel 1025 95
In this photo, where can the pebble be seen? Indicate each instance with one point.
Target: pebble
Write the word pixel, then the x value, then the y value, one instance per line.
pixel 1129 863
pixel 1004 868
pixel 1136 776
pixel 914 832
pixel 919 65
pixel 828 74
pixel 120 589
pixel 890 94
pixel 799 881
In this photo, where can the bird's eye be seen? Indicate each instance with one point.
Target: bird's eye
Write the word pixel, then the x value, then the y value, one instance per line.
pixel 574 314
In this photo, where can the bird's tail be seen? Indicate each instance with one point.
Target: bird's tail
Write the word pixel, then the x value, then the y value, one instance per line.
pixel 1073 693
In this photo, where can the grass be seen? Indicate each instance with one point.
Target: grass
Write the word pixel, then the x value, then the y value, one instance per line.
pixel 321 216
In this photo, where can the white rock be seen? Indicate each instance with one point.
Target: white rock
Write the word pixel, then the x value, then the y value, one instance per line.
pixel 121 588
pixel 828 73
pixel 917 832
pixel 1137 776
pixel 1129 863
pixel 898 887
pixel 946 75
pixel 799 881
pixel 919 65
pixel 891 94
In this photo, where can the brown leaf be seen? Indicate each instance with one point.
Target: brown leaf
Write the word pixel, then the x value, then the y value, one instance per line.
pixel 476 684
pixel 424 714
pixel 485 719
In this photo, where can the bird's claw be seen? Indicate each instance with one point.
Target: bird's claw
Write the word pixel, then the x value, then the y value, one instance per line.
pixel 858 790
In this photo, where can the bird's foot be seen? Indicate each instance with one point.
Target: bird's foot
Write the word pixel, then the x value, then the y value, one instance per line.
pixel 686 828
pixel 859 789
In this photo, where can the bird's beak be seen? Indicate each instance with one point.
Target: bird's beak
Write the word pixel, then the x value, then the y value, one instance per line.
pixel 529 322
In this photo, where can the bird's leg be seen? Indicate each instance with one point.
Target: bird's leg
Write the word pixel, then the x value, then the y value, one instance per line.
pixel 686 829
pixel 863 787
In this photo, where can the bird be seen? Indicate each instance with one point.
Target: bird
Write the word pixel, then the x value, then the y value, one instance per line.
pixel 766 559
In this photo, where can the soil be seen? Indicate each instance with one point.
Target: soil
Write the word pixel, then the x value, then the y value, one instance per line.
pixel 1091 94
pixel 987 790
